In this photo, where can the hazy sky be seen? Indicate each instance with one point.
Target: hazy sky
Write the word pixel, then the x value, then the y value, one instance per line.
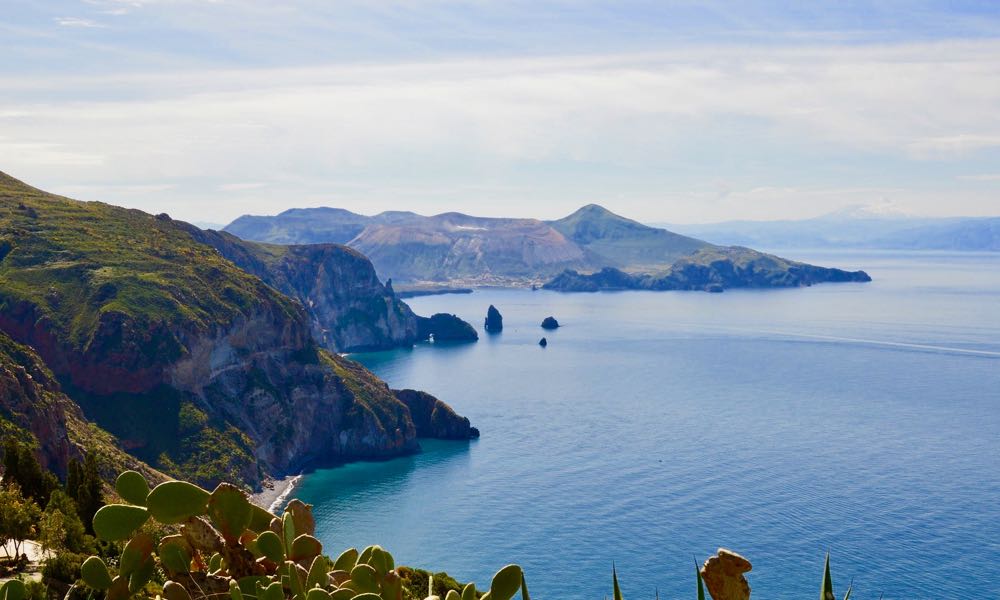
pixel 662 111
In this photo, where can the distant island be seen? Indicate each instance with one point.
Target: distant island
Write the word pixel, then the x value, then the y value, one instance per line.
pixel 591 249
pixel 858 228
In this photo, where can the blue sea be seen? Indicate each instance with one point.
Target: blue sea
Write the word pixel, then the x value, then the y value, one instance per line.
pixel 656 427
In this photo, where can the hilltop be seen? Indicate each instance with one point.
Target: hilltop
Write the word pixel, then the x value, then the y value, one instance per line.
pixel 461 249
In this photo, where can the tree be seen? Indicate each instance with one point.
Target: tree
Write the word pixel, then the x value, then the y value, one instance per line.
pixel 74 473
pixel 88 491
pixel 21 466
pixel 18 517
pixel 75 538
pixel 52 531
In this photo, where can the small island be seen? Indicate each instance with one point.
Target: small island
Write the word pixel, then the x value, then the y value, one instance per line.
pixel 550 323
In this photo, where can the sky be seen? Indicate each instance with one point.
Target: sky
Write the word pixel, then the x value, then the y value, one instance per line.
pixel 664 111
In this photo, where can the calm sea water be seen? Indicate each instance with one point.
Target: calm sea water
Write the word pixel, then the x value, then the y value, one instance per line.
pixel 863 419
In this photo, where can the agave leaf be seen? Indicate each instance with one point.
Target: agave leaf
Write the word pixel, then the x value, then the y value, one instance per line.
pixel 614 579
pixel 850 589
pixel 826 592
pixel 701 583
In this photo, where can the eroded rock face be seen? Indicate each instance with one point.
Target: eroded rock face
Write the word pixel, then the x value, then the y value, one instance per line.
pixel 435 419
pixel 723 575
pixel 32 405
pixel 494 321
pixel 349 308
pixel 29 401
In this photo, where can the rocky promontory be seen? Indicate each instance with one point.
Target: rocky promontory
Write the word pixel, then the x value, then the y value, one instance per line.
pixel 712 271
pixel 445 328
pixel 435 419
pixel 201 369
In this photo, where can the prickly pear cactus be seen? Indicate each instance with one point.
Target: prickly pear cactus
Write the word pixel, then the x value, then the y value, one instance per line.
pixel 225 546
pixel 723 575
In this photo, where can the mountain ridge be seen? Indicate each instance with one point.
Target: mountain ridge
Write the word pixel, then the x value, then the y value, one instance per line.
pixel 201 369
pixel 456 248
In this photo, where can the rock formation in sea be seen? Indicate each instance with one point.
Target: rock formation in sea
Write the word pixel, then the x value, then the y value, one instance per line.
pixel 494 321
pixel 445 328
pixel 435 419
pixel 543 342
pixel 550 323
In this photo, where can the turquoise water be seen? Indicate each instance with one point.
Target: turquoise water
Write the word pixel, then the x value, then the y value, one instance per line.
pixel 863 419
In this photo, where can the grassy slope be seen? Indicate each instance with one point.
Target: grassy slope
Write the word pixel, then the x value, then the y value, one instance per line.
pixel 76 265
pixel 78 260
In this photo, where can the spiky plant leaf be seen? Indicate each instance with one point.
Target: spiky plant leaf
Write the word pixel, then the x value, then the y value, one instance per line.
pixel 614 579
pixel 826 592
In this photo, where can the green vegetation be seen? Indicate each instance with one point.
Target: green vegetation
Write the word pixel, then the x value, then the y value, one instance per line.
pixel 220 544
pixel 80 263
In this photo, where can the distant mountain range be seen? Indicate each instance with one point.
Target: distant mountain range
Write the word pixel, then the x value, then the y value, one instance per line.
pixel 457 248
pixel 858 229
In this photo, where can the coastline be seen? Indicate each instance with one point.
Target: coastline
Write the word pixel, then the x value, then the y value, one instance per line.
pixel 276 492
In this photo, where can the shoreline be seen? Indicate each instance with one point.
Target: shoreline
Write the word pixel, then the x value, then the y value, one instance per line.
pixel 276 492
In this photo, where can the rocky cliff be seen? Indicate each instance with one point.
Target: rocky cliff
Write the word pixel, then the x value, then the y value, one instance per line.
pixel 435 419
pixel 349 308
pixel 34 409
pixel 201 368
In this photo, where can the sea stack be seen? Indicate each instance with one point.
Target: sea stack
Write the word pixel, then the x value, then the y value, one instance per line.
pixel 550 323
pixel 494 321
pixel 543 342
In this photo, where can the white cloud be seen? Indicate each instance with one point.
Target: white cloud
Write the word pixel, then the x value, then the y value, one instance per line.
pixel 398 126
pixel 240 187
pixel 981 177
pixel 77 22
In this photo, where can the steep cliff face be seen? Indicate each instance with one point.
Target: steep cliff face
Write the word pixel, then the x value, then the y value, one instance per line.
pixel 30 406
pixel 434 418
pixel 349 308
pixel 201 368
pixel 33 408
